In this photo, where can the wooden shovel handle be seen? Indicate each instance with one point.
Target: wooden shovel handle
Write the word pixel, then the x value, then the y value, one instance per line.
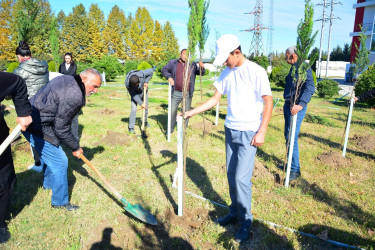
pixel 114 191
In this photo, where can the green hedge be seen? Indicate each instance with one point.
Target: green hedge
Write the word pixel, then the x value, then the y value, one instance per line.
pixel 328 88
pixel 110 65
pixel 143 66
pixel 365 82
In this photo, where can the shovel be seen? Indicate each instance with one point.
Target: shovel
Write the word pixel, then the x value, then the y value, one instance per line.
pixel 144 135
pixel 10 138
pixel 136 210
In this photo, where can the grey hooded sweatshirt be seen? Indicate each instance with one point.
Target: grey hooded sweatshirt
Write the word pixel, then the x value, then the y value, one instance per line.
pixel 35 74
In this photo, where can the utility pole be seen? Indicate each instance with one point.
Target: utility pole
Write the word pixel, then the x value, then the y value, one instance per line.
pixel 329 36
pixel 256 47
pixel 270 25
pixel 323 19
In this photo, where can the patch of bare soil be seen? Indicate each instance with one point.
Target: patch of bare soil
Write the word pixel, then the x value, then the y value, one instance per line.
pixel 172 232
pixel 208 124
pixel 106 111
pixel 22 146
pixel 365 142
pixel 261 171
pixel 116 138
pixel 334 159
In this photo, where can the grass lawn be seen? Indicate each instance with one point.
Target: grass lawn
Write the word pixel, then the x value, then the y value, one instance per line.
pixel 333 198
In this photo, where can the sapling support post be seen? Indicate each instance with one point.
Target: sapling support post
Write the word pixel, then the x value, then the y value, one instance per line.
pixel 290 151
pixel 180 166
pixel 10 138
pixel 169 112
pixel 348 126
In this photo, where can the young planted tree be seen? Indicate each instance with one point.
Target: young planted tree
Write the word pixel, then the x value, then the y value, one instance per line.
pixel 361 62
pixel 305 41
pixel 202 38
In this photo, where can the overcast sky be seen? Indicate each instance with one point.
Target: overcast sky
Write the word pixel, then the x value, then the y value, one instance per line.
pixel 228 17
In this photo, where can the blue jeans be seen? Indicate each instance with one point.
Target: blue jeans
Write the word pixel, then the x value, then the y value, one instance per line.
pixel 55 165
pixel 240 164
pixel 288 119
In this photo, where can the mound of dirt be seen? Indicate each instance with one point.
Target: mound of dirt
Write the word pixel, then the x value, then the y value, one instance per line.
pixel 199 126
pixel 106 111
pixel 366 143
pixel 334 159
pixel 261 171
pixel 116 138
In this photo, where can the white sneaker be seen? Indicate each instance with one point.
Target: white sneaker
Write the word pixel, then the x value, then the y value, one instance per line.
pixel 38 169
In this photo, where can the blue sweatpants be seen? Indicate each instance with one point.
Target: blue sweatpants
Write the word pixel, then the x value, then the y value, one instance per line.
pixel 240 158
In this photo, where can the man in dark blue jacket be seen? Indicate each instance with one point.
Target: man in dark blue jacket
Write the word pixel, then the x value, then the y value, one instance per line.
pixel 174 73
pixel 53 109
pixel 10 85
pixel 295 104
pixel 136 82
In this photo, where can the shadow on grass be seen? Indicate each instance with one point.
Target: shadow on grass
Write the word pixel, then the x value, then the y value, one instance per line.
pixel 105 243
pixel 346 209
pixel 263 238
pixel 160 238
pixel 162 121
pixel 336 145
pixel 77 165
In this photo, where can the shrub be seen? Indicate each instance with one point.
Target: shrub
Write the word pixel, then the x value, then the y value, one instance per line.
pixel 279 73
pixel 143 66
pixel 130 65
pixel 12 66
pixel 3 65
pixel 207 72
pixel 261 61
pixel 328 87
pixel 365 82
pixel 110 65
pixel 81 66
pixel 52 66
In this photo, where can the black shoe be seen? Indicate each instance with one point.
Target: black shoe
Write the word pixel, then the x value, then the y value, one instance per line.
pixel 226 220
pixel 293 175
pixel 68 206
pixel 281 167
pixel 4 235
pixel 243 233
pixel 131 131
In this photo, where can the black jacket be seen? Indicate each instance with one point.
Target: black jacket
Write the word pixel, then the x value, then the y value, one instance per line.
pixel 70 72
pixel 169 70
pixel 54 107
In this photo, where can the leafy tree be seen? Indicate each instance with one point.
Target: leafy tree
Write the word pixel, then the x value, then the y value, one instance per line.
pixel 6 45
pixel 157 41
pixel 141 34
pixel 115 33
pixel 169 44
pixel 110 65
pixel 54 42
pixel 346 52
pixel 75 34
pixel 143 66
pixel 337 54
pixel 96 27
pixel 261 60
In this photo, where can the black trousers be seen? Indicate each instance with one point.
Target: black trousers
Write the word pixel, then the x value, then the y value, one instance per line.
pixel 7 174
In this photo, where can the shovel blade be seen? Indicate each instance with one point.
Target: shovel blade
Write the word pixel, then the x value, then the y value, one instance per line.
pixel 141 213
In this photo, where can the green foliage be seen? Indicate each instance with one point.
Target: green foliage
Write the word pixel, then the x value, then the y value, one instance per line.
pixel 261 60
pixel 314 77
pixel 54 41
pixel 361 59
pixel 365 82
pixel 52 66
pixel 206 72
pixel 143 66
pixel 169 43
pixel 81 66
pixel 110 65
pixel 12 66
pixel 3 65
pixel 205 30
pixel 279 73
pixel 130 65
pixel 328 88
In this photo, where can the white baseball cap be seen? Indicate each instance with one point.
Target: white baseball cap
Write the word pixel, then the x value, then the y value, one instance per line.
pixel 224 46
